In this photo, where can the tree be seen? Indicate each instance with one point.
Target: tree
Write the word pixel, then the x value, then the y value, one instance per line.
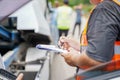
pixel 85 1
pixel 73 2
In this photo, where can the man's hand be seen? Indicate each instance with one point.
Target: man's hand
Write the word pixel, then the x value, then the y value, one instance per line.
pixel 71 57
pixel 67 42
pixel 20 76
pixel 75 58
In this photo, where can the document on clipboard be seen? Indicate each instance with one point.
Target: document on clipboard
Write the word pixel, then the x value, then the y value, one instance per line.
pixel 50 48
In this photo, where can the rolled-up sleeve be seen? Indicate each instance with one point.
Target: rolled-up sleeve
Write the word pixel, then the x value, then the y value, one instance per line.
pixel 102 33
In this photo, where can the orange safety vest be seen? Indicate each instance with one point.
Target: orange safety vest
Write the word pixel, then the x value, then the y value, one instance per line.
pixel 110 67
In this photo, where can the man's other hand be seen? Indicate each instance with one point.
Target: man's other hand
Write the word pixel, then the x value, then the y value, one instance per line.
pixel 20 76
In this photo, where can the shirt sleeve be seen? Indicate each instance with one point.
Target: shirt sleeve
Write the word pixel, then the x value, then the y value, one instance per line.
pixel 102 33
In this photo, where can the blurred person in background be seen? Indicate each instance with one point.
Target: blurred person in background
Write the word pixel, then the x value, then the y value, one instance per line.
pixel 53 22
pixel 64 14
pixel 78 10
pixel 54 13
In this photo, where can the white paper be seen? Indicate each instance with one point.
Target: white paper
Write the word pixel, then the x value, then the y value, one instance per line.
pixel 50 48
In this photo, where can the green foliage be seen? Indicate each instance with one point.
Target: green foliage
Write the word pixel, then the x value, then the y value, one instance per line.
pixel 85 1
pixel 52 1
pixel 86 4
pixel 73 2
pixel 76 2
pixel 87 8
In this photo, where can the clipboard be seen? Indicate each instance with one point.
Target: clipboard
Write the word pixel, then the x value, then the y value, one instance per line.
pixel 50 48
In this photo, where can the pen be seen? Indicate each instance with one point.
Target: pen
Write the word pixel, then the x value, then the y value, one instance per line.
pixel 59 46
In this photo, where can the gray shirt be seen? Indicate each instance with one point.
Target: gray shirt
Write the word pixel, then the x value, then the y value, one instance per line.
pixel 103 31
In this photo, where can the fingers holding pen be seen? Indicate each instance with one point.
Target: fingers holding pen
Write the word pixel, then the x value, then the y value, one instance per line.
pixel 69 42
pixel 63 42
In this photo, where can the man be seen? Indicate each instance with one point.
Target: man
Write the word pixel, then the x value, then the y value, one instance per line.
pixel 53 23
pixel 98 37
pixel 64 13
pixel 78 10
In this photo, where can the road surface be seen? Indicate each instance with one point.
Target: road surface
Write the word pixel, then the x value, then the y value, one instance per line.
pixel 59 69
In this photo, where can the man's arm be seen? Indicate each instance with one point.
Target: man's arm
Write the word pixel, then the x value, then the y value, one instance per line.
pixel 74 58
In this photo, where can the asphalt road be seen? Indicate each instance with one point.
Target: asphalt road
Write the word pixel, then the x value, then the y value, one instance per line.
pixel 59 69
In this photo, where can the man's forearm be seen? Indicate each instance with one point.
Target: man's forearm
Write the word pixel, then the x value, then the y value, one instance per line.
pixel 83 59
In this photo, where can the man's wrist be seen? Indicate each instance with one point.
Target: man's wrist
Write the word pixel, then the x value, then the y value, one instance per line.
pixel 76 59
